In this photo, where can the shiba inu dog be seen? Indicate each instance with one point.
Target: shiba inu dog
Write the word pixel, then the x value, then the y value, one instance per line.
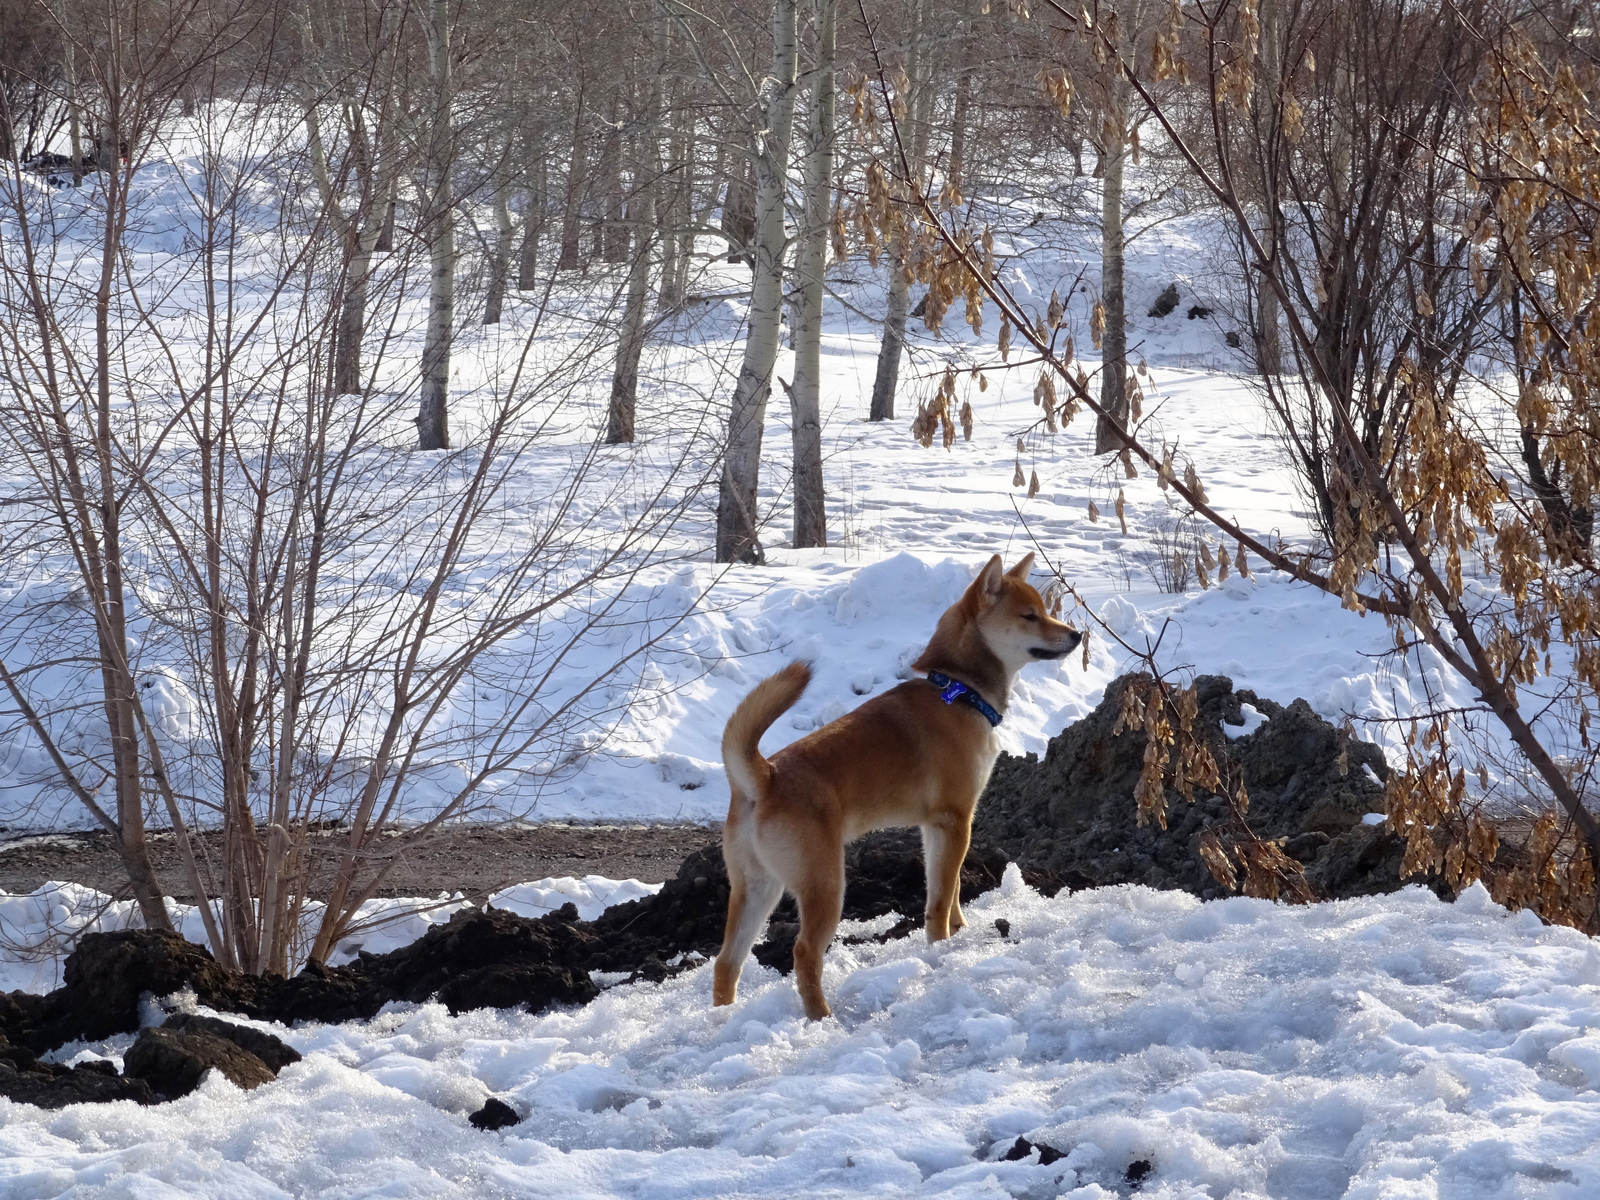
pixel 919 754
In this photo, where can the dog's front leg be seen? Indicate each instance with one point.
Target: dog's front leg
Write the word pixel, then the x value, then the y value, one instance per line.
pixel 944 846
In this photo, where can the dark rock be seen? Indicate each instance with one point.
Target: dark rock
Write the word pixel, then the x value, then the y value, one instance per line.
pixel 1002 927
pixel 1072 814
pixel 1137 1171
pixel 49 1086
pixel 275 1053
pixel 1023 1147
pixel 1198 312
pixel 173 1061
pixel 495 1114
pixel 1166 302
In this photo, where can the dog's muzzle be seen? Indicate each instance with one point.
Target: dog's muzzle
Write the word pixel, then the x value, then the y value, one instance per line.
pixel 1045 654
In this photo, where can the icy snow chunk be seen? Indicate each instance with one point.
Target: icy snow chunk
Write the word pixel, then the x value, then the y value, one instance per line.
pixel 169 704
pixel 1254 719
pixel 1374 818
pixel 1582 1054
pixel 688 773
pixel 888 588
pixel 874 988
pixel 1122 618
pixel 592 895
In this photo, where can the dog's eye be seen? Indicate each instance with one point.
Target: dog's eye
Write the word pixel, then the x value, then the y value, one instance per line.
pixel 1030 616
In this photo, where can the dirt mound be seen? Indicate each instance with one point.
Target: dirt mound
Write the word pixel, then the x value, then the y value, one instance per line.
pixel 481 958
pixel 1072 814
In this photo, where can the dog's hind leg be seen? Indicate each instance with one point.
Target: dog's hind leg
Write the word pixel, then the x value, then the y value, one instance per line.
pixel 753 892
pixel 821 898
pixel 944 846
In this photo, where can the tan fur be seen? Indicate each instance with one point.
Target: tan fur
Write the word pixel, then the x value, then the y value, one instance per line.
pixel 902 758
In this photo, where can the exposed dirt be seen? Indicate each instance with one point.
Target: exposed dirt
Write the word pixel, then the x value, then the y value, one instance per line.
pixel 473 860
pixel 1310 784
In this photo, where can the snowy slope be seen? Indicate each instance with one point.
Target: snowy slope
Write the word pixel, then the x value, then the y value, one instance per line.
pixel 1386 1047
pixel 908 526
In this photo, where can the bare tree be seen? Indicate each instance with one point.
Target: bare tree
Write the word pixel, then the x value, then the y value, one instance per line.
pixel 737 519
pixel 810 514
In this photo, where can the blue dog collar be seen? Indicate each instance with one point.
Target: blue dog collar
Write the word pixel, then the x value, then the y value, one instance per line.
pixel 951 690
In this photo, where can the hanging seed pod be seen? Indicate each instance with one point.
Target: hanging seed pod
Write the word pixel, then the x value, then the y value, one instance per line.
pixel 1085 645
pixel 841 246
pixel 949 428
pixel 1094 512
pixel 1192 479
pixel 1039 331
pixel 1135 404
pixel 1205 556
pixel 1200 574
pixel 1128 469
pixel 1018 479
pixel 1222 563
pixel 1004 341
pixel 1033 485
pixel 1240 562
pixel 966 421
pixel 1122 518
pixel 1180 568
pixel 983 383
pixel 1066 352
pixel 1020 446
pixel 1053 318
pixel 1097 323
pixel 1142 368
pixel 1164 474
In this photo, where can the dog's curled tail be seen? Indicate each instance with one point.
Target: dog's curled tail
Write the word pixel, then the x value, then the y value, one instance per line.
pixel 747 770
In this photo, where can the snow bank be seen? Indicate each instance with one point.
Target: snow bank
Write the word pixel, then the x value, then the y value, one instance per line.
pixel 1391 1046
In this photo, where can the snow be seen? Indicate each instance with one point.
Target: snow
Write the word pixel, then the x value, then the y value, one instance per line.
pixel 909 527
pixel 1381 1047
pixel 1254 719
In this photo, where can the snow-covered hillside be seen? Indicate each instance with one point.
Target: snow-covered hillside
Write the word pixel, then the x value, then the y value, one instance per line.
pixel 908 528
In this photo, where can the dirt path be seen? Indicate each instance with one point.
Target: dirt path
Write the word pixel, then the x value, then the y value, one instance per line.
pixel 475 860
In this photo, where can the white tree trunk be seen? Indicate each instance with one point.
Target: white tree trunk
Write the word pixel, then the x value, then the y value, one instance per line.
pixel 810 514
pixel 1269 351
pixel 433 421
pixel 887 380
pixel 641 219
pixel 505 234
pixel 1114 343
pixel 741 464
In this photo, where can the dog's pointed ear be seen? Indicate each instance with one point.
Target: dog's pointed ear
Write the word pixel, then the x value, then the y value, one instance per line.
pixel 990 578
pixel 1024 565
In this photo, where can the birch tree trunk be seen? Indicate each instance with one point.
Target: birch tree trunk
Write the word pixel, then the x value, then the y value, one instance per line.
pixel 538 178
pixel 805 397
pixel 1114 342
pixel 611 235
pixel 741 464
pixel 887 380
pixel 433 421
pixel 572 206
pixel 505 234
pixel 1269 351
pixel 641 216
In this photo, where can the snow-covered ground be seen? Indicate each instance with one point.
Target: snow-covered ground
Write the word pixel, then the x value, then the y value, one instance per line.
pixel 1387 1047
pixel 1391 1047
